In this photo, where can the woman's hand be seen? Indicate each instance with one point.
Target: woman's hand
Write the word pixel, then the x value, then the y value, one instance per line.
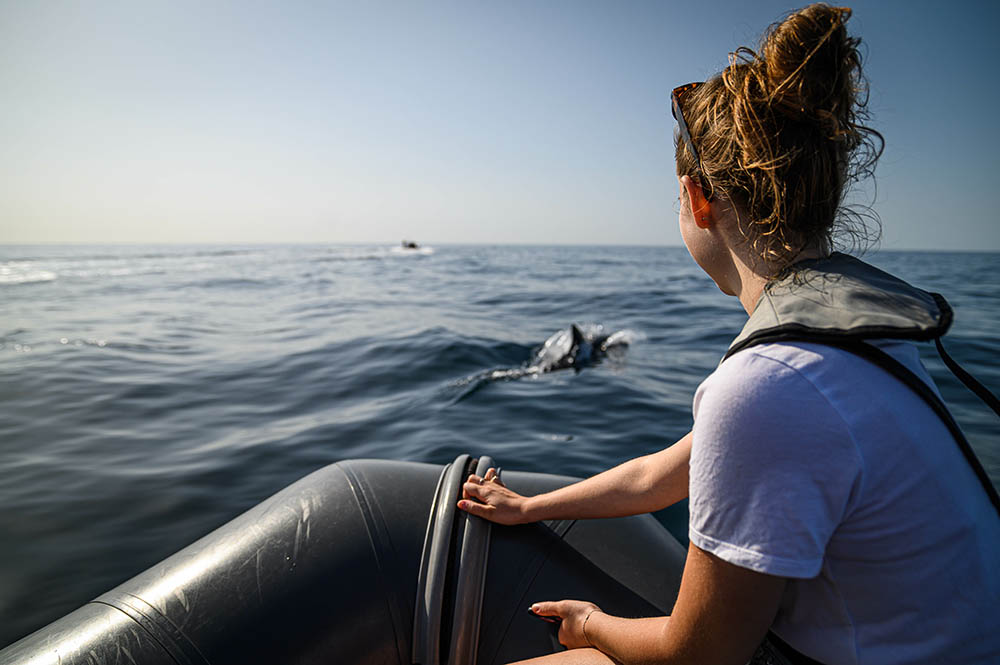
pixel 574 615
pixel 489 498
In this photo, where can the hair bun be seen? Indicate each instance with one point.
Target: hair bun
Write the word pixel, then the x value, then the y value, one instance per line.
pixel 810 65
pixel 781 132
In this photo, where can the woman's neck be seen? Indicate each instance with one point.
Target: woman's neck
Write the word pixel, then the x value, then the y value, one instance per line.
pixel 753 274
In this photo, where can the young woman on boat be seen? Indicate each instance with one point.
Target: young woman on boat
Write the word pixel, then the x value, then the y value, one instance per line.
pixel 831 510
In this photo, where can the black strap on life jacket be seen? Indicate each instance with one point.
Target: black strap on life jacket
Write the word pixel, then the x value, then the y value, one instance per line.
pixel 970 381
pixel 879 357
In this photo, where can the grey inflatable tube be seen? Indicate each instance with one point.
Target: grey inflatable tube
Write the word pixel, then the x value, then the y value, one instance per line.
pixel 368 561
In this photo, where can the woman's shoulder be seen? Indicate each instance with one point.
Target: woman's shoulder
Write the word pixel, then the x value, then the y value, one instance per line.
pixel 789 400
pixel 774 393
pixel 778 401
pixel 796 356
pixel 775 370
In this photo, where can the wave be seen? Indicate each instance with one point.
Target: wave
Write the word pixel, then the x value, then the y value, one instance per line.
pixel 179 253
pixel 233 283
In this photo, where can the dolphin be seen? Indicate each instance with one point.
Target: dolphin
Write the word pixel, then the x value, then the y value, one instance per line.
pixel 572 348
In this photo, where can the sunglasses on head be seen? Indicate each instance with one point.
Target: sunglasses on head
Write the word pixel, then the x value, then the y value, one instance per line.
pixel 676 98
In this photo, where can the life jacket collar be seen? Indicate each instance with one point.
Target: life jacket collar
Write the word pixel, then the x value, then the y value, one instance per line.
pixel 843 298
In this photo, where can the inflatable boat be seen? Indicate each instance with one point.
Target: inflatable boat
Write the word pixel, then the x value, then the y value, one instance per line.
pixel 371 562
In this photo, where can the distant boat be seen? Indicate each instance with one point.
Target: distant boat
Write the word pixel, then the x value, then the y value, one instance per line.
pixel 408 244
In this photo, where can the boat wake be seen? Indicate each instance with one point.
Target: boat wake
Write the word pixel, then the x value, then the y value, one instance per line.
pixel 411 251
pixel 24 272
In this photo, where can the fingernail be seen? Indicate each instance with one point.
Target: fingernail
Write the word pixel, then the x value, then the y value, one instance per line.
pixel 534 608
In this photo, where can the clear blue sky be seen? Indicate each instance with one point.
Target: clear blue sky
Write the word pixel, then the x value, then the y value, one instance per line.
pixel 449 121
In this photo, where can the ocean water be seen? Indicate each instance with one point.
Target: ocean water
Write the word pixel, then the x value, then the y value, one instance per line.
pixel 149 394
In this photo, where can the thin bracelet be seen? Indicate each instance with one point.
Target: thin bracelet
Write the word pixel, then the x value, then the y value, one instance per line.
pixel 589 644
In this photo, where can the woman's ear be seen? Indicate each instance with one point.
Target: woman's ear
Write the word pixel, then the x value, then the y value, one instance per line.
pixel 701 210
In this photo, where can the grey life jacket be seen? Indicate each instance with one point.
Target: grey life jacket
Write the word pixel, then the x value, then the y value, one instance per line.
pixel 843 302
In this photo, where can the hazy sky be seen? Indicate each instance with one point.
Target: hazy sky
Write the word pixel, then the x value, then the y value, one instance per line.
pixel 472 121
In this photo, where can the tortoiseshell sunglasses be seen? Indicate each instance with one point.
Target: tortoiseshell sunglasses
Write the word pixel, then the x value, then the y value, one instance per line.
pixel 676 96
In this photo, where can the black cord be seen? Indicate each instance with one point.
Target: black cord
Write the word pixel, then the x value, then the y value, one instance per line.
pixel 970 381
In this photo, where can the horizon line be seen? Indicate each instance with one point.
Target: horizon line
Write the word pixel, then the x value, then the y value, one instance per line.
pixel 303 243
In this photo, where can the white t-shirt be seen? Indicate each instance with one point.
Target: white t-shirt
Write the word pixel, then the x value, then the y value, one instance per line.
pixel 813 464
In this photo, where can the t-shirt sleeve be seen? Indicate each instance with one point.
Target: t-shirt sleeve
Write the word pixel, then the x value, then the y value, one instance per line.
pixel 773 465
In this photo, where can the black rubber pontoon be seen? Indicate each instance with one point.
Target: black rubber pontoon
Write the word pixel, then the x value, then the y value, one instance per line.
pixel 368 561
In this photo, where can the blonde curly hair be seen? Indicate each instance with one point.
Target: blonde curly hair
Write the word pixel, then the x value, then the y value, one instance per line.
pixel 781 133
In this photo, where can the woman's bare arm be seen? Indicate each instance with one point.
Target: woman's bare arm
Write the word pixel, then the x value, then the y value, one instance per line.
pixel 641 485
pixel 722 613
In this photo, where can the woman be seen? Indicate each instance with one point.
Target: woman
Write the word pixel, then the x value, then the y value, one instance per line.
pixel 829 504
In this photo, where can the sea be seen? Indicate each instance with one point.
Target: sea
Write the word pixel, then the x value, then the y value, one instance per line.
pixel 149 394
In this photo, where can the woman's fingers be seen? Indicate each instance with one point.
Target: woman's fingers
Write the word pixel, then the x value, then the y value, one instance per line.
pixel 474 489
pixel 546 608
pixel 484 502
pixel 573 615
pixel 493 476
pixel 473 481
pixel 476 508
pixel 492 500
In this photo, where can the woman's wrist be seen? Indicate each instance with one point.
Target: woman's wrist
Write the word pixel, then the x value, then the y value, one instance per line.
pixel 586 637
pixel 530 510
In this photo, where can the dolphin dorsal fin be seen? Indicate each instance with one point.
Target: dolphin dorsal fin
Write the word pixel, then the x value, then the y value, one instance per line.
pixel 577 334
